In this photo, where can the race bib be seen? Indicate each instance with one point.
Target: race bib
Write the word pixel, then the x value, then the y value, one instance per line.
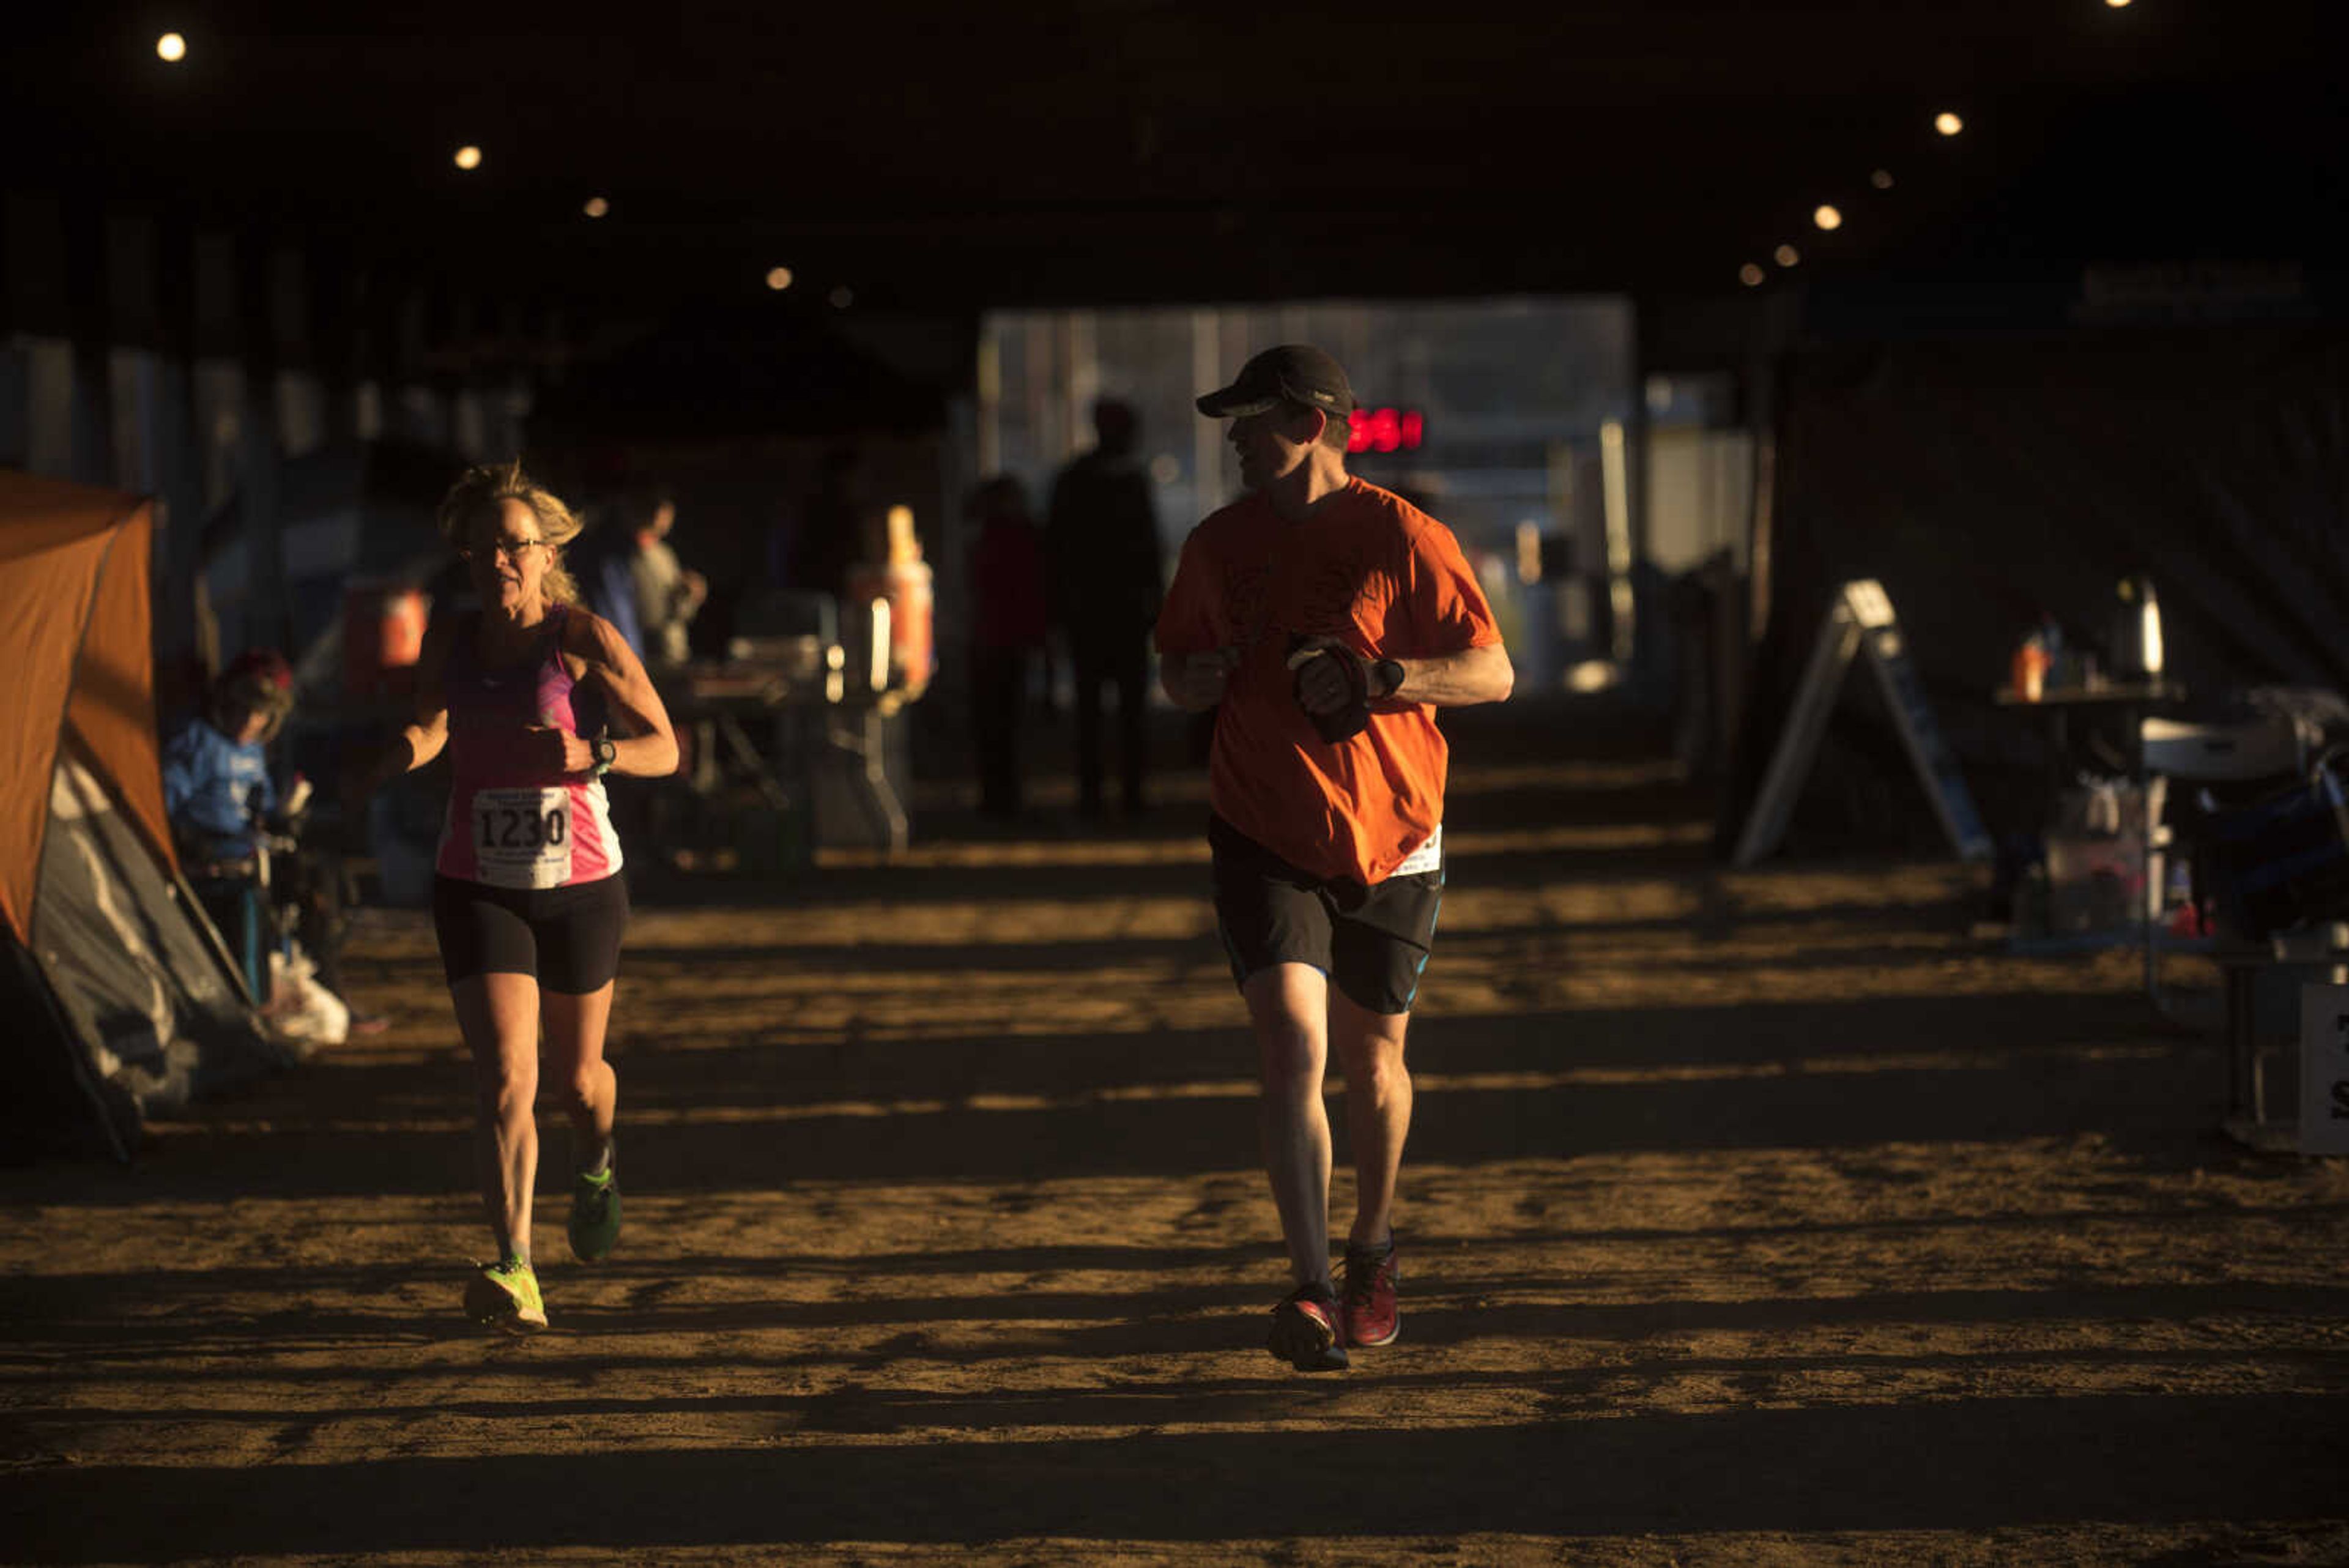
pixel 522 838
pixel 1428 857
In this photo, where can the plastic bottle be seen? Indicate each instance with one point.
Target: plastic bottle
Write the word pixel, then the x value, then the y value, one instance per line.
pixel 2030 672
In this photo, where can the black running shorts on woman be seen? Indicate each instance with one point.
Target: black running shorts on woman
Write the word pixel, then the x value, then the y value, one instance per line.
pixel 1371 941
pixel 568 937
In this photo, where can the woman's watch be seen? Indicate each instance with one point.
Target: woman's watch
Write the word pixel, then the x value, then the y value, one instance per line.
pixel 1386 679
pixel 606 754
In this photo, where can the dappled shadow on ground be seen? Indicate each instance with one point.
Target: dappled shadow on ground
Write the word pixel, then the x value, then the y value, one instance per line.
pixel 1493 1089
pixel 1776 1215
pixel 1955 1467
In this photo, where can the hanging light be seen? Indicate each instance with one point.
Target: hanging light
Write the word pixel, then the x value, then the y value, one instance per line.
pixel 779 278
pixel 1786 255
pixel 1751 275
pixel 469 156
pixel 172 47
pixel 1948 124
pixel 1826 217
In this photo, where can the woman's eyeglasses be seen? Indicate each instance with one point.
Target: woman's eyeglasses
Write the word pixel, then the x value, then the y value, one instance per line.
pixel 511 549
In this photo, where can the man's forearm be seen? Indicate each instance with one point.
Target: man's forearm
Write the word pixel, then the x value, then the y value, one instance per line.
pixel 1457 679
pixel 1185 686
pixel 1170 679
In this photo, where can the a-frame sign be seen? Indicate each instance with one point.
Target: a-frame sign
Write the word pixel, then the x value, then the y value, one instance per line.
pixel 1861 621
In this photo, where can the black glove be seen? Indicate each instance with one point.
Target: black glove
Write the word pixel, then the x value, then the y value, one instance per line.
pixel 1341 723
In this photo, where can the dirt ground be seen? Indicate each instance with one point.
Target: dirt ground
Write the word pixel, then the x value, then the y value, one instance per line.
pixel 1767 1217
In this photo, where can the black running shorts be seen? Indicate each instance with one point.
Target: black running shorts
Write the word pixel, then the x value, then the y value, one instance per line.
pixel 1371 941
pixel 568 937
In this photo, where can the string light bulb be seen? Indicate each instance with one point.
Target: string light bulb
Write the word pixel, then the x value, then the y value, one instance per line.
pixel 1826 217
pixel 172 47
pixel 1786 255
pixel 469 156
pixel 597 207
pixel 1948 124
pixel 1881 179
pixel 779 278
pixel 1751 275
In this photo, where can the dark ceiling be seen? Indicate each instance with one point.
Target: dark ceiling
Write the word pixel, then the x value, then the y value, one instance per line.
pixel 1067 151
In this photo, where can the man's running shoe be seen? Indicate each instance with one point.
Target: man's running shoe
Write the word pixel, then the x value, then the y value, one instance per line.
pixel 1305 1331
pixel 1367 1309
pixel 596 1212
pixel 505 1295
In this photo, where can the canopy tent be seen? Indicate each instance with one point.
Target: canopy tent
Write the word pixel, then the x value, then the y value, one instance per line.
pixel 120 999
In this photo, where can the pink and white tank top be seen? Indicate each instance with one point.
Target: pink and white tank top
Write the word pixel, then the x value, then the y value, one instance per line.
pixel 509 825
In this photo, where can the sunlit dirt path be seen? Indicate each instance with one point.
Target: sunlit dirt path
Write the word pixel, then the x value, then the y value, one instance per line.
pixel 1778 1216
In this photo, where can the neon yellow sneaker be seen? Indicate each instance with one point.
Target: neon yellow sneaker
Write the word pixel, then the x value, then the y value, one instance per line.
pixel 595 1212
pixel 505 1295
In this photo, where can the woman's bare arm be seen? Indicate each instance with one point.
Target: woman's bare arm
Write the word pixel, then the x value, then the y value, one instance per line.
pixel 643 746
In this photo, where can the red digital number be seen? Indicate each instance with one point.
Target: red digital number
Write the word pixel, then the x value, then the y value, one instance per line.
pixel 1385 430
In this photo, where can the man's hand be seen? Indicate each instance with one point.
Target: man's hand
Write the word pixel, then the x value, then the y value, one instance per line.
pixel 1332 685
pixel 1197 682
pixel 1325 682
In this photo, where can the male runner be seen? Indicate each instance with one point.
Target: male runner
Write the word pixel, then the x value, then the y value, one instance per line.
pixel 1325 619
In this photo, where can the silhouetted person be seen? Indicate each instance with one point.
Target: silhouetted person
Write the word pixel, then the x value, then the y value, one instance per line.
pixel 1101 547
pixel 668 596
pixel 602 559
pixel 1008 627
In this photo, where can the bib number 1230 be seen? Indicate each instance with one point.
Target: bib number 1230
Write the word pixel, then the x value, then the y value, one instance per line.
pixel 522 838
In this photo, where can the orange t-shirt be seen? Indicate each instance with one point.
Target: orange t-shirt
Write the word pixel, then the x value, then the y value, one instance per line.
pixel 1380 575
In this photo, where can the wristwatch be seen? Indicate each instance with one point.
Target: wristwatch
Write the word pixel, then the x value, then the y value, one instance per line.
pixel 1386 679
pixel 605 754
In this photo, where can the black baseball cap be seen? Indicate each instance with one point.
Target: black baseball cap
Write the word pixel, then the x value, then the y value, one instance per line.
pixel 1294 372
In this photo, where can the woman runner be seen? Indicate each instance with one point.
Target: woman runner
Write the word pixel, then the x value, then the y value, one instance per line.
pixel 528 900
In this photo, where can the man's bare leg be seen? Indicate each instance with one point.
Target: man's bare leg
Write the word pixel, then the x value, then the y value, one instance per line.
pixel 1287 1008
pixel 1369 1047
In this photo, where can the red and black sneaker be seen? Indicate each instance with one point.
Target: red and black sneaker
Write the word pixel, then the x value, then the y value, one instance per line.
pixel 1368 1314
pixel 1305 1331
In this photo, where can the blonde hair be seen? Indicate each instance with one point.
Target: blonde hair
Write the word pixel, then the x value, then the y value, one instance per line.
pixel 483 489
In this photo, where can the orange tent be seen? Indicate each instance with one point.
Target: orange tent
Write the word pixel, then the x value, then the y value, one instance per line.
pixel 74 636
pixel 120 999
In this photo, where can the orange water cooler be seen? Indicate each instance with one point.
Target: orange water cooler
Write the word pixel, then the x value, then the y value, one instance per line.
pixel 903 585
pixel 383 637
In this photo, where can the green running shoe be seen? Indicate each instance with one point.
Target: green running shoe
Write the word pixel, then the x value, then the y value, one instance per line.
pixel 596 1212
pixel 505 1295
